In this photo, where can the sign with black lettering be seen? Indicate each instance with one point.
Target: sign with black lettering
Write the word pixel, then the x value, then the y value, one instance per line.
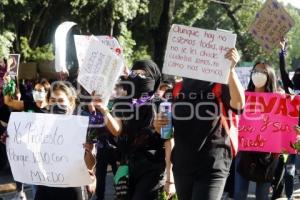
pixel 198 53
pixel 100 70
pixel 47 149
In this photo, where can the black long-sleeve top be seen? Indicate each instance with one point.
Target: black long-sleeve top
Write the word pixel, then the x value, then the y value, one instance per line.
pixel 287 83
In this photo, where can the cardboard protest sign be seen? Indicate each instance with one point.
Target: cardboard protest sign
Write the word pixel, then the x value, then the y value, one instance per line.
pixel 100 70
pixel 81 42
pixel 271 23
pixel 61 46
pixel 46 149
pixel 244 75
pixel 198 53
pixel 267 124
pixel 13 63
pixel 27 71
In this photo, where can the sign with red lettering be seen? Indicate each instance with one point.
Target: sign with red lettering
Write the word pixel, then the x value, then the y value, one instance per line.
pixel 82 41
pixel 198 53
pixel 271 23
pixel 268 121
pixel 100 69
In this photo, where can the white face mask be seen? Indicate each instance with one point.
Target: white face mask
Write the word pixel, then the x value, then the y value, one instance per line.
pixel 259 79
pixel 38 96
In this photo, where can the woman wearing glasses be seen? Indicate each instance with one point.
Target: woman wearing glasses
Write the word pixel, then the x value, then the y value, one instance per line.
pixel 263 79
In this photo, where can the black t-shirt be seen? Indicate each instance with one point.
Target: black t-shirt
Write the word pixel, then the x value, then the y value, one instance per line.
pixel 201 143
pixel 51 193
pixel 30 106
pixel 139 137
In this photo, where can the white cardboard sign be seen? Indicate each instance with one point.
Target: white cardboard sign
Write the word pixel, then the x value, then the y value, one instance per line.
pixel 100 69
pixel 82 41
pixel 198 53
pixel 47 149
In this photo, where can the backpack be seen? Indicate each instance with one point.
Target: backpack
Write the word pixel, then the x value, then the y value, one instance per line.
pixel 257 166
pixel 229 120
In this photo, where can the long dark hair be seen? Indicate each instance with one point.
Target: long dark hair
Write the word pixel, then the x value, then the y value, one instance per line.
pixel 270 85
pixel 44 82
pixel 296 79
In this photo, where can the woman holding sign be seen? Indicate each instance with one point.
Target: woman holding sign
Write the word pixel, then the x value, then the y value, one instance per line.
pixel 39 105
pixel 256 166
pixel 202 153
pixel 146 155
pixel 61 100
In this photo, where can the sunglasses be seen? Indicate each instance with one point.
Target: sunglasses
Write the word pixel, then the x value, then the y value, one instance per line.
pixel 141 74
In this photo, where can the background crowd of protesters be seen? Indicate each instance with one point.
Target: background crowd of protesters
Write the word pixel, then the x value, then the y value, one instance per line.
pixel 194 163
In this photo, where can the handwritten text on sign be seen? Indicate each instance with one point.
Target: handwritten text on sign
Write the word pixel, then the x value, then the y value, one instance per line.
pixel 197 53
pixel 271 23
pixel 46 149
pixel 244 74
pixel 100 70
pixel 81 42
pixel 267 124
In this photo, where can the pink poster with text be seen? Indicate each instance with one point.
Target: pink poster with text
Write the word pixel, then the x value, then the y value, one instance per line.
pixel 268 121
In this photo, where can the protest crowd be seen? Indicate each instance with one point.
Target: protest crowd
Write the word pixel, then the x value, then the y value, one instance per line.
pixel 190 131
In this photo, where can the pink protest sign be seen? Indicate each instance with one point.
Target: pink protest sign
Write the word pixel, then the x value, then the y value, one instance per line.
pixel 267 124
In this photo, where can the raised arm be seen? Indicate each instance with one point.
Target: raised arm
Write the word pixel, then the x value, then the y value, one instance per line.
pixel 8 88
pixel 236 90
pixel 113 124
pixel 287 83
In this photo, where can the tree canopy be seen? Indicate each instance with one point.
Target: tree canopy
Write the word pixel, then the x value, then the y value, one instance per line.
pixel 141 26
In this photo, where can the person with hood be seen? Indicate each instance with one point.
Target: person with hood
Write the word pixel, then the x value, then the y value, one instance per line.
pixel 202 152
pixel 145 152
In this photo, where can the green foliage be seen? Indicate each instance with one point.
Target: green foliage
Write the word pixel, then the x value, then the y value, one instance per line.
pixel 134 23
pixel 155 10
pixel 293 37
pixel 163 196
pixel 128 9
pixel 42 53
pixel 126 41
pixel 6 43
pixel 141 52
pixel 189 11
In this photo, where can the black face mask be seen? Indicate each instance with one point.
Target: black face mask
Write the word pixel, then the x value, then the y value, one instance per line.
pixel 141 86
pixel 296 81
pixel 58 109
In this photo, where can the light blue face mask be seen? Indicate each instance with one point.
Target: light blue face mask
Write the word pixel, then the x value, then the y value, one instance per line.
pixel 38 96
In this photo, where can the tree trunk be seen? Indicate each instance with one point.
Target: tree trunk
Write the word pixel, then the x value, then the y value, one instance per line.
pixel 160 34
pixel 106 20
pixel 41 25
pixel 34 24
